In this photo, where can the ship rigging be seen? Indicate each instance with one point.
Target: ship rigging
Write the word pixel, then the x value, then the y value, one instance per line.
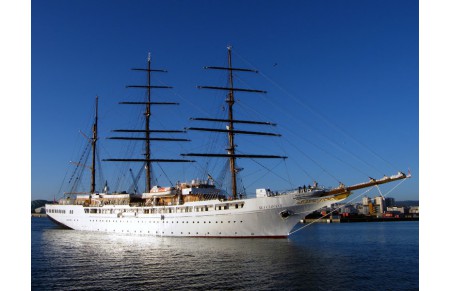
pixel 197 208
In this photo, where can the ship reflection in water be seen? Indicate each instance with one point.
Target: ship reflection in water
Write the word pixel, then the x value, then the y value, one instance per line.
pixel 322 256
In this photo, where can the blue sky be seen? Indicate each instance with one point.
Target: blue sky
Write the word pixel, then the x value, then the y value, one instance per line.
pixel 342 80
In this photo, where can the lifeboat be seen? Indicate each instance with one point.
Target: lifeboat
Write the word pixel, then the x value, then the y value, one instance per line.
pixel 158 191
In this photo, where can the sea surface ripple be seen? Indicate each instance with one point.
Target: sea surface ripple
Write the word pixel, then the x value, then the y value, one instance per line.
pixel 347 256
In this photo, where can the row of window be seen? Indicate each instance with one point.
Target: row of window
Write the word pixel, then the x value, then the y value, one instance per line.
pixel 166 210
pixel 61 211
pixel 155 221
pixel 170 232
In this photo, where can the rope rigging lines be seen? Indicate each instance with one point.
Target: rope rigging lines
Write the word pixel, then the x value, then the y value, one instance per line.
pixel 319 116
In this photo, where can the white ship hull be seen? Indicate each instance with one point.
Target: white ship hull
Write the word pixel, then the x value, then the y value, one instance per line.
pixel 255 217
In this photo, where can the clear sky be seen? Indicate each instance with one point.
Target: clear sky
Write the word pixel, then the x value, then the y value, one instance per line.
pixel 342 80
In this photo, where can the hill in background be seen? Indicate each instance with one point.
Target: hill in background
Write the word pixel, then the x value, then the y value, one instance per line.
pixel 38 203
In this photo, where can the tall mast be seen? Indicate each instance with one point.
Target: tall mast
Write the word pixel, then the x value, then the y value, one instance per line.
pixel 94 142
pixel 147 130
pixel 231 149
pixel 230 130
pixel 148 177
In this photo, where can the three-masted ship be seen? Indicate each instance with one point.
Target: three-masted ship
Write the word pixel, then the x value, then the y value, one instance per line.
pixel 196 208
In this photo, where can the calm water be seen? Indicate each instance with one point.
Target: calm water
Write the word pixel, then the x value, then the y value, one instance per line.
pixel 347 256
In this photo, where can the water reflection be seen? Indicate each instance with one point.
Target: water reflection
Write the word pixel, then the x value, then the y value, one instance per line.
pixel 311 259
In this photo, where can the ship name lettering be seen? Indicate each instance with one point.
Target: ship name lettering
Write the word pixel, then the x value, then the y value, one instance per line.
pixel 270 206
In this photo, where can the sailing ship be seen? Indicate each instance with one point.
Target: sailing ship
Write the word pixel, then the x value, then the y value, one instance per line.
pixel 197 208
